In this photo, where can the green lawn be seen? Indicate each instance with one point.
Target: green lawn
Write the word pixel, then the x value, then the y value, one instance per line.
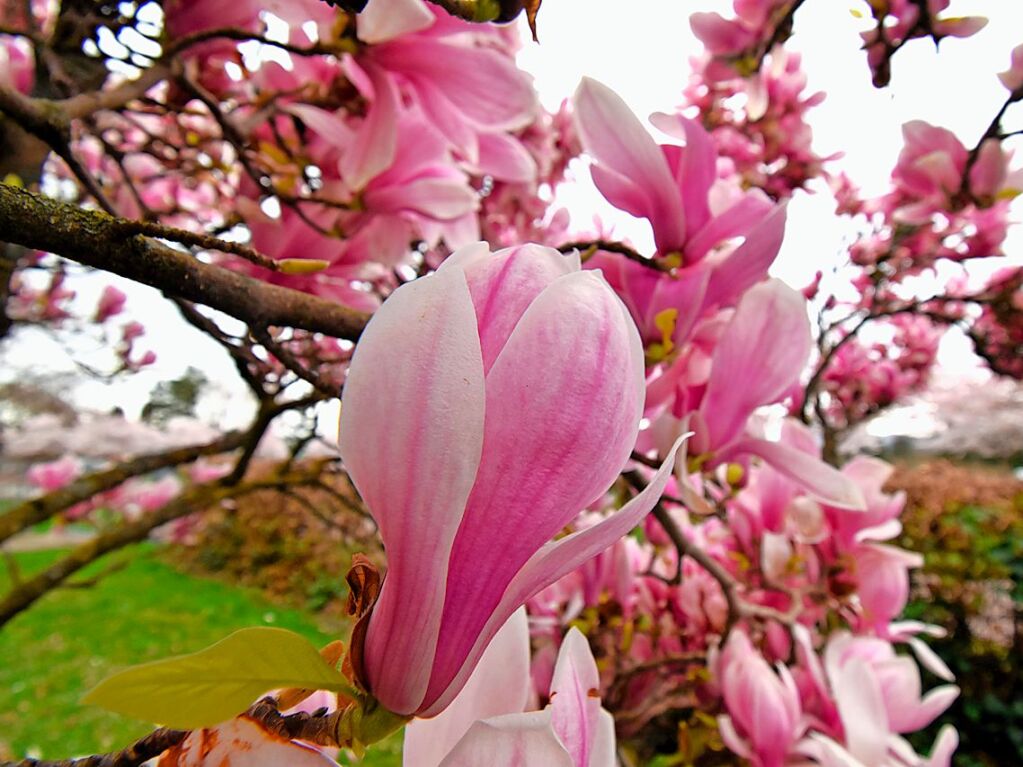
pixel 65 643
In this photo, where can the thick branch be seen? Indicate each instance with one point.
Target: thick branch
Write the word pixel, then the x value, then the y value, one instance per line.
pixel 319 728
pixel 198 497
pixel 139 752
pixel 39 509
pixel 98 240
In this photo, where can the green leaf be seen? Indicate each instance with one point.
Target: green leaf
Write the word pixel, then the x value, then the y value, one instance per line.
pixel 215 684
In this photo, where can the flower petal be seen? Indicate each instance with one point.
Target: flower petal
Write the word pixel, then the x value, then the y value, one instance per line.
pixel 698 169
pixel 499 685
pixel 504 285
pixel 384 20
pixel 861 707
pixel 506 159
pixel 376 140
pixel 823 481
pixel 765 346
pixel 514 740
pixel 615 138
pixel 485 86
pixel 574 353
pixel 558 558
pixel 747 264
pixel 414 472
pixel 575 697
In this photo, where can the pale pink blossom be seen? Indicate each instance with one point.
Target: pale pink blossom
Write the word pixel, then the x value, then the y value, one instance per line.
pixel 17 63
pixel 55 474
pixel 487 723
pixel 671 186
pixel 864 695
pixel 111 303
pixel 769 332
pixel 1012 78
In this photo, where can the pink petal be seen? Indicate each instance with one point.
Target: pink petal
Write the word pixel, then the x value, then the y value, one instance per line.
pixel 930 660
pixel 376 140
pixel 861 707
pixel 414 472
pixel 989 172
pixel 384 20
pixel 504 285
pixel 965 26
pixel 821 480
pixel 575 697
pixel 603 751
pixel 439 198
pixel 621 191
pixel 505 158
pixel 536 414
pixel 698 170
pixel 514 740
pixel 918 714
pixel 499 685
pixel 735 221
pixel 559 558
pixel 720 35
pixel 748 264
pixel 324 124
pixel 485 86
pixel 614 138
pixel 1012 78
pixel 944 746
pixel 439 109
pixel 765 346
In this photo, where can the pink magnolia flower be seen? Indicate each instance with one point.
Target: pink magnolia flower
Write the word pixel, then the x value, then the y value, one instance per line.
pixel 871 665
pixel 485 723
pixel 140 496
pixel 881 570
pixel 671 186
pixel 465 88
pixel 764 716
pixel 864 695
pixel 55 474
pixel 769 333
pixel 488 411
pixel 17 63
pixel 931 164
pixel 827 753
pixel 111 303
pixel 1012 78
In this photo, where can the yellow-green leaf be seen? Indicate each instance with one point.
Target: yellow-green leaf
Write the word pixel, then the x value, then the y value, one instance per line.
pixel 215 684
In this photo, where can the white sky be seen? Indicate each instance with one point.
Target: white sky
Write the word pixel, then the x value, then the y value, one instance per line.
pixel 641 49
pixel 643 54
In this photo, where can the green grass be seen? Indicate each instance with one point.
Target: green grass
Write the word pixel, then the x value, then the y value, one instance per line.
pixel 72 638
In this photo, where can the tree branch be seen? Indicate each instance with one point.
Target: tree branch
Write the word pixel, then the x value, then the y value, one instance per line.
pixel 99 240
pixel 39 509
pixel 141 751
pixel 319 727
pixel 198 497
